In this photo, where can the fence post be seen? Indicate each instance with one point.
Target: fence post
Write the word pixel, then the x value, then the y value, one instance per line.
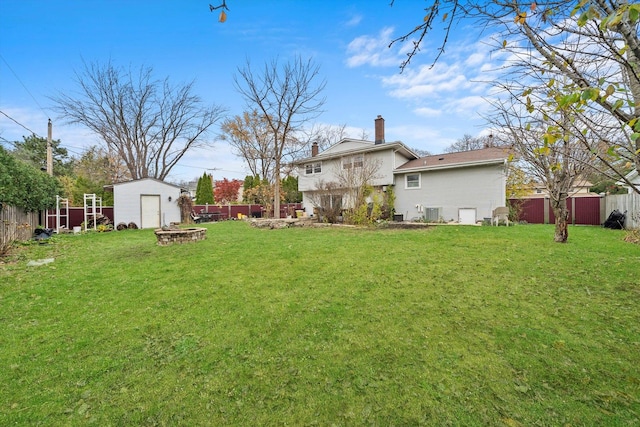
pixel 546 210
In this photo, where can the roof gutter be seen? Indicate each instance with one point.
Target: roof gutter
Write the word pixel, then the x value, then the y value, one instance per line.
pixel 451 166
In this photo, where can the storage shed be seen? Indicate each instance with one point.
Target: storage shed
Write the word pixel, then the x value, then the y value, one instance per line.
pixel 147 202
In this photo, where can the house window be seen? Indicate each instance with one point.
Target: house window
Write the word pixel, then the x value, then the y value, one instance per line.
pixel 331 201
pixel 311 168
pixel 346 163
pixel 413 180
pixel 353 161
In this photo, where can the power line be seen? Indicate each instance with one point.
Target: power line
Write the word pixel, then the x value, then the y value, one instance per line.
pixel 19 124
pixel 32 132
pixel 23 85
pixel 9 142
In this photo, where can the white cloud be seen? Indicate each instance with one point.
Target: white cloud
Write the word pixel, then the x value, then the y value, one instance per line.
pixel 468 105
pixel 354 21
pixel 427 112
pixel 373 51
pixel 439 81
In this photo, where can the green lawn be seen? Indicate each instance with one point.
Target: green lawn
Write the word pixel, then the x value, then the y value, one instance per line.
pixel 325 326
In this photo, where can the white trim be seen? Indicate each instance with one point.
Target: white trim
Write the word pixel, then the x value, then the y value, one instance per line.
pixel 406 181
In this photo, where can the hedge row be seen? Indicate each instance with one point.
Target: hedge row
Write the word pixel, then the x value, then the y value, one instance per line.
pixel 24 186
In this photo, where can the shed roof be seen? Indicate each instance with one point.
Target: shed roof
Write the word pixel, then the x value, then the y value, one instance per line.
pixel 143 179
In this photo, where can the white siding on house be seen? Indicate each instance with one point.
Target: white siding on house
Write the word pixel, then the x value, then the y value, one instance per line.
pixel 347 145
pixel 481 187
pixel 310 182
pixel 127 201
pixel 332 167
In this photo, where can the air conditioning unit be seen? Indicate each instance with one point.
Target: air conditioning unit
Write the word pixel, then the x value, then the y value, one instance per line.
pixel 432 214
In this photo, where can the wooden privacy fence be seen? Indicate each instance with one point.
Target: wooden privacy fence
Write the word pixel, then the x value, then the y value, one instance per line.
pixel 589 210
pixel 16 224
pixel 73 217
pixel 251 211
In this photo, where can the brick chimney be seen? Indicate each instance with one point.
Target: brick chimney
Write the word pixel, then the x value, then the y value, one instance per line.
pixel 379 130
pixel 314 149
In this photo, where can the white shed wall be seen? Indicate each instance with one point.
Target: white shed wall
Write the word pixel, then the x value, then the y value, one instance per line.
pixel 126 201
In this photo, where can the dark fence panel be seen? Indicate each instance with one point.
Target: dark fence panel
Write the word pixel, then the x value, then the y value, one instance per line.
pixel 530 210
pixel 587 210
pixel 221 212
pixel 582 210
pixel 74 217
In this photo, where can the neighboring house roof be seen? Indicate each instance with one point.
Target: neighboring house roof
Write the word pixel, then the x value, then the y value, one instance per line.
pixel 358 146
pixel 461 159
pixel 633 177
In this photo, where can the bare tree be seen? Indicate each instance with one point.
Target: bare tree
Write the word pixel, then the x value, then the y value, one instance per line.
pixel 356 175
pixel 327 199
pixel 288 96
pixel 252 140
pixel 351 191
pixel 468 142
pixel 556 161
pixel 101 165
pixel 600 81
pixel 324 135
pixel 593 44
pixel 149 123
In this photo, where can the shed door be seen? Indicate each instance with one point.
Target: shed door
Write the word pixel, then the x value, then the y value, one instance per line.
pixel 467 215
pixel 150 211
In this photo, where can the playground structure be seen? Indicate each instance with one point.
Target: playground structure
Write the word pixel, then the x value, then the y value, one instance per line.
pixel 60 215
pixel 92 207
pixel 60 218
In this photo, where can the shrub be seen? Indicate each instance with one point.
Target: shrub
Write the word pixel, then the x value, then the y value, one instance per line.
pixel 24 186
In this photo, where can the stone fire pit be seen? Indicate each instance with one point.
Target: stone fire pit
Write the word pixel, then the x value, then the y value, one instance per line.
pixel 180 235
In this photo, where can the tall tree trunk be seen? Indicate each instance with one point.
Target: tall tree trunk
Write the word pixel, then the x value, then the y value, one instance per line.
pixel 561 213
pixel 276 190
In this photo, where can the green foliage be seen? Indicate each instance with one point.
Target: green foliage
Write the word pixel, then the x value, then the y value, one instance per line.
pixel 388 209
pixel 368 211
pixel 33 150
pixel 289 189
pixel 607 186
pixel 254 189
pixel 204 190
pixel 25 186
pixel 83 185
pixel 358 215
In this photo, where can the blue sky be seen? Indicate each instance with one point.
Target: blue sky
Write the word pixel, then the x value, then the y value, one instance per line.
pixel 42 44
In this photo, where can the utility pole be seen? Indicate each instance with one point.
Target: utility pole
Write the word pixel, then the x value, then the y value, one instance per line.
pixel 49 150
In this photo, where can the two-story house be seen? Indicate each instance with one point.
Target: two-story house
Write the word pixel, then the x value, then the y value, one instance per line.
pixel 464 187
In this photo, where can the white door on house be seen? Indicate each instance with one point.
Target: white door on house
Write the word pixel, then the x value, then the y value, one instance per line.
pixel 467 216
pixel 150 211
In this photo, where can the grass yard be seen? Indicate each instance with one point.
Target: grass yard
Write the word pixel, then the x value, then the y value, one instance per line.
pixel 328 326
